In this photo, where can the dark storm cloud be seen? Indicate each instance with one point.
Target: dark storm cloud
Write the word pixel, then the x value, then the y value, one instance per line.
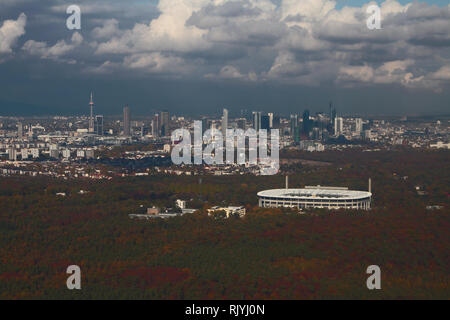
pixel 257 45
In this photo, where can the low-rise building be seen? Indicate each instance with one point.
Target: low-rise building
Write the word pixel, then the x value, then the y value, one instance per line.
pixel 229 211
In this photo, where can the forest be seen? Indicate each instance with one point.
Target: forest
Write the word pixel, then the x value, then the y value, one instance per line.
pixel 268 254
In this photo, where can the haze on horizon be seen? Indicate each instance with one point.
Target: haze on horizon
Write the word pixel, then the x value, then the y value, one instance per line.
pixel 193 57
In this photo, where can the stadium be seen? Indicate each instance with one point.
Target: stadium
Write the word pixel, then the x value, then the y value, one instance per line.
pixel 315 197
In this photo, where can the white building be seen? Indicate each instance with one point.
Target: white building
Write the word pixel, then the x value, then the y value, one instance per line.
pixel 80 153
pixel 24 153
pixel 34 153
pixel 166 148
pixel 358 125
pixel 224 122
pixel 315 197
pixel 338 126
pixel 66 153
pixel 181 204
pixel 12 154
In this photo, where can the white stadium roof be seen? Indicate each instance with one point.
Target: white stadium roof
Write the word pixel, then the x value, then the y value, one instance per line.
pixel 318 192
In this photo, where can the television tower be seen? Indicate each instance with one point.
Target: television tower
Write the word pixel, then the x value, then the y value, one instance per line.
pixel 91 117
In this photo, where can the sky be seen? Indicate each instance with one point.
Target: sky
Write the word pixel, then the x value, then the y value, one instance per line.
pixel 196 57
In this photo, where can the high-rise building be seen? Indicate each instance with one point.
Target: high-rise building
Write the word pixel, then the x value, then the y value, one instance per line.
pixel 307 123
pixel 257 120
pixel 165 123
pixel 358 125
pixel 156 128
pixel 276 122
pixel 20 130
pixel 332 113
pixel 338 125
pixel 99 130
pixel 80 153
pixel 34 153
pixel 24 153
pixel 224 122
pixel 91 117
pixel 293 124
pixel 66 153
pixel 265 122
pixel 270 114
pixel 204 125
pixel 296 135
pixel 12 154
pixel 126 122
pixel 316 134
pixel 153 126
pixel 30 131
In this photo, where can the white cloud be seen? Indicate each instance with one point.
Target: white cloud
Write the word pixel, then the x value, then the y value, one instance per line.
pixel 156 63
pixel 285 66
pixel 167 32
pixel 392 72
pixel 306 10
pixel 10 31
pixel 442 74
pixel 233 73
pixel 106 67
pixel 306 42
pixel 109 29
pixel 356 73
pixel 59 49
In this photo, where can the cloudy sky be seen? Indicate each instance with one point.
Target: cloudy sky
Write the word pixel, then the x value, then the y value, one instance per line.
pixel 198 56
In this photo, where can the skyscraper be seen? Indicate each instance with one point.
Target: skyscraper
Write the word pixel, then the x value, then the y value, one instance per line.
pixel 338 125
pixel 265 122
pixel 156 130
pixel 165 123
pixel 257 120
pixel 293 124
pixel 270 115
pixel 30 131
pixel 12 154
pixel 224 122
pixel 204 125
pixel 99 125
pixel 126 121
pixel 20 130
pixel 153 125
pixel 358 125
pixel 276 122
pixel 91 117
pixel 307 125
pixel 332 113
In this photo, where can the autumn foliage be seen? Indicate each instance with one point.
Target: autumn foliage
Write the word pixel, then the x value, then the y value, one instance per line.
pixel 269 254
